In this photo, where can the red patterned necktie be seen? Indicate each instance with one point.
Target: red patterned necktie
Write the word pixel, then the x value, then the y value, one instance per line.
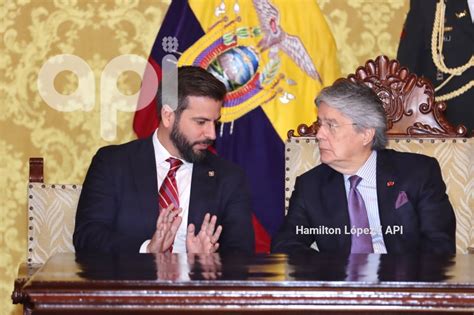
pixel 168 192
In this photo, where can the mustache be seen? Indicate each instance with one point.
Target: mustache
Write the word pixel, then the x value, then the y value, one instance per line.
pixel 207 142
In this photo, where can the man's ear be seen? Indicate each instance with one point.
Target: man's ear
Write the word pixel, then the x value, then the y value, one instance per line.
pixel 167 116
pixel 369 135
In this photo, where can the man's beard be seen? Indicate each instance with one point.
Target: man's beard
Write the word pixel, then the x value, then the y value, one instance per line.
pixel 185 148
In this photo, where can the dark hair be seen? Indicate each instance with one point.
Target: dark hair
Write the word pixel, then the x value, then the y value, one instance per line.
pixel 192 81
pixel 361 104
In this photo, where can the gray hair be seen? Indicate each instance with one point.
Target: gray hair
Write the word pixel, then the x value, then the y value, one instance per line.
pixel 358 102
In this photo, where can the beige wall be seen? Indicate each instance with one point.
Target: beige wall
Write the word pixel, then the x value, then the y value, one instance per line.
pixel 97 31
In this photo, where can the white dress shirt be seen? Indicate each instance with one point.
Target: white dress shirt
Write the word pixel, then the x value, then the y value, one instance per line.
pixel 470 4
pixel 183 180
pixel 368 189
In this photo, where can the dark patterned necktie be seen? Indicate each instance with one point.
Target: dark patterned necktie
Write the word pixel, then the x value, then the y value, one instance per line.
pixel 361 243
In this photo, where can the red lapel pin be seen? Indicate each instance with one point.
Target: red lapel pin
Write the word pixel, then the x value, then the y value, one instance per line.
pixel 390 183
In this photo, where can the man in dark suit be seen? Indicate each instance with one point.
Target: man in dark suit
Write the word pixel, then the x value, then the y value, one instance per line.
pixel 364 198
pixel 153 195
pixel 449 63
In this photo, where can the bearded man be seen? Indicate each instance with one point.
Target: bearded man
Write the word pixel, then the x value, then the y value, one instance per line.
pixel 167 193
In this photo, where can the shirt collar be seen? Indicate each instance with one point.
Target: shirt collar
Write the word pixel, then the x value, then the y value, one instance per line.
pixel 161 154
pixel 367 171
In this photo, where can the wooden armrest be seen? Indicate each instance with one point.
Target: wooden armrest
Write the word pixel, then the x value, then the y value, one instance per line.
pixel 470 250
pixel 25 271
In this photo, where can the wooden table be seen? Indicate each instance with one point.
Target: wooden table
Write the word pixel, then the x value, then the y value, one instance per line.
pixel 275 284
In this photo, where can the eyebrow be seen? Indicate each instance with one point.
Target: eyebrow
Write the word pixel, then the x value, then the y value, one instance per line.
pixel 206 119
pixel 329 120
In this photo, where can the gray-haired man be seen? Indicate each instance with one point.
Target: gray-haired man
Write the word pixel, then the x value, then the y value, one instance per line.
pixel 364 198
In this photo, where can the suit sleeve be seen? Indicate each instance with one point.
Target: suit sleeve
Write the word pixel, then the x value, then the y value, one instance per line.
pixel 97 211
pixel 288 240
pixel 437 220
pixel 411 46
pixel 237 233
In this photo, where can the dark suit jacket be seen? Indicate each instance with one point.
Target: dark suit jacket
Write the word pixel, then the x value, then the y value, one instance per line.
pixel 118 206
pixel 414 52
pixel 319 199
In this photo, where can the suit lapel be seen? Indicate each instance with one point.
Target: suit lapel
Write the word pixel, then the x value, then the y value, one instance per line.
pixel 203 191
pixel 387 193
pixel 460 17
pixel 145 179
pixel 466 22
pixel 336 207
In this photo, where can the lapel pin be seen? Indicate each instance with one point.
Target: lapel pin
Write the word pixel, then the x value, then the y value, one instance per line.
pixel 461 14
pixel 211 173
pixel 390 183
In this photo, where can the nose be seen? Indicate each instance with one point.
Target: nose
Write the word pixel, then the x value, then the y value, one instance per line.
pixel 320 134
pixel 210 131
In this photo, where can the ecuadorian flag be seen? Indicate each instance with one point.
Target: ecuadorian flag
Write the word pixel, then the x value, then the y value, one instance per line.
pixel 273 56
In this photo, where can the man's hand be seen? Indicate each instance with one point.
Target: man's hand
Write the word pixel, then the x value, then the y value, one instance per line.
pixel 206 240
pixel 166 227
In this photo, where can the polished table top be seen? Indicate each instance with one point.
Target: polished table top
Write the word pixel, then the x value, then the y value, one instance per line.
pixel 317 268
pixel 268 282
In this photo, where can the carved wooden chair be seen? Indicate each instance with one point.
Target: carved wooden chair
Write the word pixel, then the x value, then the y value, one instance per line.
pixel 416 124
pixel 51 215
pixel 51 218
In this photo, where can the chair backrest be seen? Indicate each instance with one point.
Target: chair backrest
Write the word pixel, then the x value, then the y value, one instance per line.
pixel 454 157
pixel 416 124
pixel 51 215
pixel 408 102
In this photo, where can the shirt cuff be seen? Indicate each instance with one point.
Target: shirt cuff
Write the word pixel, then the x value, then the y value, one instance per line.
pixel 143 248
